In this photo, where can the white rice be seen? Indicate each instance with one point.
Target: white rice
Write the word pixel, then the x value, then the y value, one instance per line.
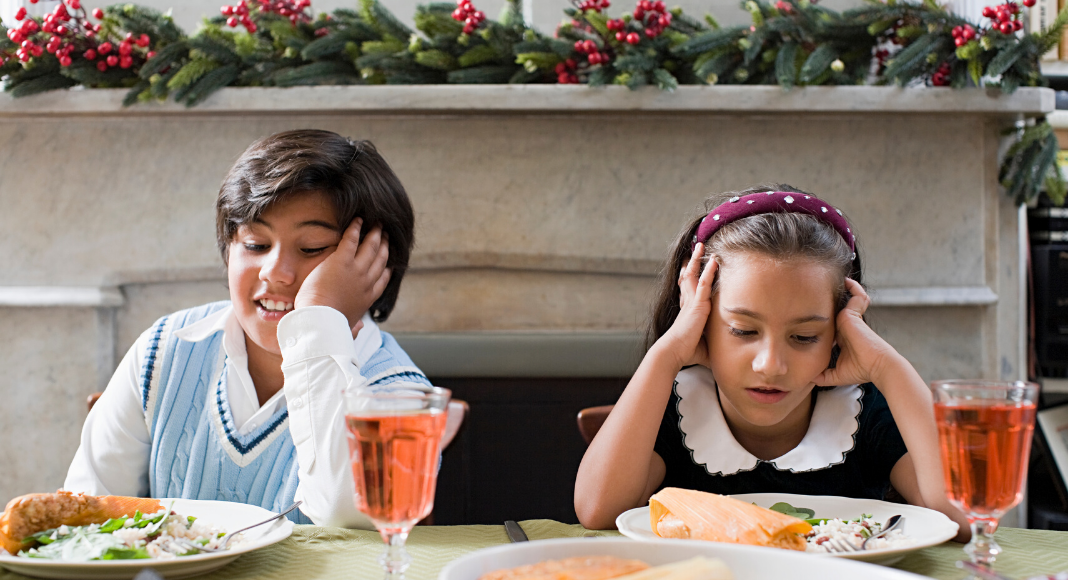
pixel 854 533
pixel 164 545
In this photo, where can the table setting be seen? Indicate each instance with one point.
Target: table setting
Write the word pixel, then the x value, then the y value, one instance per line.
pixel 395 434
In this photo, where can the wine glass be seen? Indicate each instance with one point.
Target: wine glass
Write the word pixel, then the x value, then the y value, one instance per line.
pixel 984 430
pixel 395 443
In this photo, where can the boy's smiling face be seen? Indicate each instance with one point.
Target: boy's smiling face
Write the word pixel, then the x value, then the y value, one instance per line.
pixel 270 258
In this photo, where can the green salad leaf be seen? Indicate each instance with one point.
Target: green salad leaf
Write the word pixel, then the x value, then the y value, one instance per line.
pixel 798 512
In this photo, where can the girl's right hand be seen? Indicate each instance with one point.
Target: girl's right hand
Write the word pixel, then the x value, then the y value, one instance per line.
pixel 685 340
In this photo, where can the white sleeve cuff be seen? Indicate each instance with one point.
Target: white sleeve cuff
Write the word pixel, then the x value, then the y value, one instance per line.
pixel 313 332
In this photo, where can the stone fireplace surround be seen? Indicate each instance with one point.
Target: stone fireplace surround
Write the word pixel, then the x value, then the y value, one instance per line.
pixel 542 215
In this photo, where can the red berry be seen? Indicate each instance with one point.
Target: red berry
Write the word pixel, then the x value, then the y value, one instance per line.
pixel 26 44
pixel 150 54
pixel 89 54
pixel 988 12
pixel 143 41
pixel 126 62
pixel 633 38
pixel 98 14
pixel 75 4
pixel 101 66
pixel 104 48
pixel 1005 27
pixel 251 27
pixel 232 22
pixel 620 36
pixel 21 13
pixel 113 60
pixel 227 10
pixel 64 61
pixel 125 48
pixel 37 50
pixel 1029 3
pixel 957 31
pixel 1017 25
pixel 61 30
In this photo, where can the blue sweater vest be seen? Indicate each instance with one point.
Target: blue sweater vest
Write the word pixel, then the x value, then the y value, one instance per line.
pixel 197 452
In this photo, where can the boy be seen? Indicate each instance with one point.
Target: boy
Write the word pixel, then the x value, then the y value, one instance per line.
pixel 241 400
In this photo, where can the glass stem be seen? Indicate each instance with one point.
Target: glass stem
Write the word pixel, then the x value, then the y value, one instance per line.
pixel 395 559
pixel 983 550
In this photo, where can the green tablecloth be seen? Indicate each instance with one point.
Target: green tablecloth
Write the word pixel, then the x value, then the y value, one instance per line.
pixel 318 553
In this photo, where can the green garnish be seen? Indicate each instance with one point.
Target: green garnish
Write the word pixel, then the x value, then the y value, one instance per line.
pixel 799 513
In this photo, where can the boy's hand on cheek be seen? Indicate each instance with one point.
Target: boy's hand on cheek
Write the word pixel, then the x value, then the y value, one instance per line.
pixel 351 278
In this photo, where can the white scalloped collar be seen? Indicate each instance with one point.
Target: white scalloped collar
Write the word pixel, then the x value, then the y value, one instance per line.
pixel 835 422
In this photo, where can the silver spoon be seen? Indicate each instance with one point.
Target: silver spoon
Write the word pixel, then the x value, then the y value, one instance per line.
pixel 226 539
pixel 891 523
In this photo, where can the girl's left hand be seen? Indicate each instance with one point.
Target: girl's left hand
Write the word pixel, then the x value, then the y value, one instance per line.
pixel 863 353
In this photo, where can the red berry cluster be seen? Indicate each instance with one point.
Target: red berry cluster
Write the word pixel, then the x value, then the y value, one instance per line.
pixel 653 15
pixel 618 27
pixel 963 34
pixel 593 52
pixel 941 76
pixel 565 72
pixel 242 13
pixel 784 7
pixel 597 5
pixel 1006 17
pixel 63 33
pixel 465 12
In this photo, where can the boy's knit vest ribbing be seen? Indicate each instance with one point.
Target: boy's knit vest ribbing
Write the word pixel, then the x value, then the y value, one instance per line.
pixel 197 451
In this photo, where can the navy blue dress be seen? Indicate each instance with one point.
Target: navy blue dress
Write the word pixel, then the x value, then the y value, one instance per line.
pixel 863 473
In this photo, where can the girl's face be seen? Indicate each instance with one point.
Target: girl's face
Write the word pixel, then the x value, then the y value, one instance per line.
pixel 271 257
pixel 769 334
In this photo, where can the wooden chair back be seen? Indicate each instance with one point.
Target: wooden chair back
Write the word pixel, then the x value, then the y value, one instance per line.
pixel 590 420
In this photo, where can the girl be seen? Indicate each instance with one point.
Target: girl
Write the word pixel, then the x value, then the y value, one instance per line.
pixel 241 400
pixel 760 303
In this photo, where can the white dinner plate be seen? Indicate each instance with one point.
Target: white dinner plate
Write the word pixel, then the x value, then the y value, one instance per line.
pixel 926 527
pixel 745 562
pixel 225 515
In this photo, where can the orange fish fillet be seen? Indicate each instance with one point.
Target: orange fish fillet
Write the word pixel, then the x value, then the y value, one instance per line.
pixel 685 513
pixel 579 568
pixel 36 512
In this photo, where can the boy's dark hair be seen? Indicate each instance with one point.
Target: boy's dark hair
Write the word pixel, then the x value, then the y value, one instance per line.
pixel 778 235
pixel 353 176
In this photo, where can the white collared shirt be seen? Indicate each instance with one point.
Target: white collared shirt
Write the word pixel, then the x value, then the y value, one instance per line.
pixel 319 359
pixel 830 436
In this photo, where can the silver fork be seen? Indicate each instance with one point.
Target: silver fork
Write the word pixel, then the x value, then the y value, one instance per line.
pixel 891 523
pixel 226 539
pixel 839 545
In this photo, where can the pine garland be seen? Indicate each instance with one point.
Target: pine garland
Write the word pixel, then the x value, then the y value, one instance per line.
pixel 789 43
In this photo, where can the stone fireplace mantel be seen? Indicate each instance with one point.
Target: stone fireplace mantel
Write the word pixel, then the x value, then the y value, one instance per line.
pixel 543 213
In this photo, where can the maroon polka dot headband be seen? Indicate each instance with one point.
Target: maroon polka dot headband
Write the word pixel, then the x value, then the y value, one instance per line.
pixel 739 207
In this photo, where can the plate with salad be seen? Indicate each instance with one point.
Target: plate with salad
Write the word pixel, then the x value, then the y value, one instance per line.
pixel 846 518
pixel 164 541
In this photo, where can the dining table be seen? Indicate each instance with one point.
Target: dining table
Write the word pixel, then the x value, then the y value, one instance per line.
pixel 327 553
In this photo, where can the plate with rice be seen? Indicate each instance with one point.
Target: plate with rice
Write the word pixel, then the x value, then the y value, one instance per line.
pixel 161 544
pixel 845 518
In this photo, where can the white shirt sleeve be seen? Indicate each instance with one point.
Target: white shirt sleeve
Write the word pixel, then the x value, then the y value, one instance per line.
pixel 318 363
pixel 112 458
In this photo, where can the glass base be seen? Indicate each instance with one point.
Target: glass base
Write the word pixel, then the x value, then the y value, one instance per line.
pixel 395 559
pixel 983 550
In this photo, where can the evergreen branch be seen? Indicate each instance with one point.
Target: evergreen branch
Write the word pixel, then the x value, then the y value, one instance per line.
pixel 493 74
pixel 785 67
pixel 817 63
pixel 41 84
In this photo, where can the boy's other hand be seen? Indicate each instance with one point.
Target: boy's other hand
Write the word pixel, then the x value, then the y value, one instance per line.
pixel 352 277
